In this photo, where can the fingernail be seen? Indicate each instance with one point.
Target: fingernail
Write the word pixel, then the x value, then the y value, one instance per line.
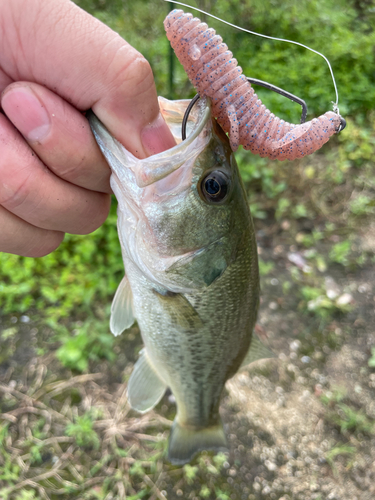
pixel 156 137
pixel 27 113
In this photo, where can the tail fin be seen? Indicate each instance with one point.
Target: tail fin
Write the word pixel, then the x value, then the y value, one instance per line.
pixel 185 442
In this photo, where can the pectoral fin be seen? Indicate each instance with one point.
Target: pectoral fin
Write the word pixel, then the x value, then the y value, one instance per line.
pixel 179 310
pixel 122 309
pixel 204 266
pixel 145 387
pixel 256 351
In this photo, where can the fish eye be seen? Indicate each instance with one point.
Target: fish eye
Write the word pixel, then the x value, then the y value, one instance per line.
pixel 215 186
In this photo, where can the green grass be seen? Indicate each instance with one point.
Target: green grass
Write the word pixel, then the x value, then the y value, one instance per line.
pixel 340 450
pixel 90 342
pixel 342 414
pixel 371 361
pixel 81 272
pixel 83 432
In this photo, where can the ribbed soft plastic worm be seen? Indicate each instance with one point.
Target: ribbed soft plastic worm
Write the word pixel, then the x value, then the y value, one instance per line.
pixel 214 72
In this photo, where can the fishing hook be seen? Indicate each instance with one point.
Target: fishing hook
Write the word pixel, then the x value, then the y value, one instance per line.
pixel 254 81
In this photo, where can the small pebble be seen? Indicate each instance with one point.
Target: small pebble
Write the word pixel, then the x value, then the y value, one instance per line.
pixel 295 345
pixel 365 287
pixel 344 299
pixel 296 259
pixel 270 465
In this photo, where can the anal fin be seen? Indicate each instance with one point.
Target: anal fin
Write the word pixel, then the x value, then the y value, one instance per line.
pixel 122 316
pixel 145 387
pixel 256 351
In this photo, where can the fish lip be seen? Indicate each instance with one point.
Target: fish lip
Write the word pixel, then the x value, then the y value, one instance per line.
pixel 151 164
pixel 205 115
pixel 149 170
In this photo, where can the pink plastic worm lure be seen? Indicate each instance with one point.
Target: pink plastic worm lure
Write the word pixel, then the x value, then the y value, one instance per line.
pixel 214 72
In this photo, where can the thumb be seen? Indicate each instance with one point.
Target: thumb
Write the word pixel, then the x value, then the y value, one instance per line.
pixel 65 49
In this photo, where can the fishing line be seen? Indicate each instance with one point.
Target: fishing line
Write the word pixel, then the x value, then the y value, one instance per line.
pixel 335 104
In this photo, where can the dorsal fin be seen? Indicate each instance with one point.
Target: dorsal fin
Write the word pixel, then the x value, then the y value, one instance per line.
pixel 257 350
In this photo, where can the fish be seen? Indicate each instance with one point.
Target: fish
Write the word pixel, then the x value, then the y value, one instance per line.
pixel 191 273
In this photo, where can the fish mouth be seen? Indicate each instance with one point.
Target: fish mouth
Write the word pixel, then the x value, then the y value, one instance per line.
pixel 158 166
pixel 150 170
pixel 174 112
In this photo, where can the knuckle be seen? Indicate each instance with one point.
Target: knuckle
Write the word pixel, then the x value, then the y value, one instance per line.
pixel 93 221
pixel 132 70
pixel 11 197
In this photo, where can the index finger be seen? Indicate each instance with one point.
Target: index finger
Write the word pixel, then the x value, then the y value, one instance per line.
pixel 76 56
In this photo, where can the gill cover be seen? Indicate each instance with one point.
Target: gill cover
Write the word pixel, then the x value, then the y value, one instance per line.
pixel 177 239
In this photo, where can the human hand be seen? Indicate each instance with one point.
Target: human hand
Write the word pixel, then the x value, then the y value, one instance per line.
pixel 56 61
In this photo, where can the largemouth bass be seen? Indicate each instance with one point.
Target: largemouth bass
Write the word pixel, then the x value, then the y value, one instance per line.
pixel 191 266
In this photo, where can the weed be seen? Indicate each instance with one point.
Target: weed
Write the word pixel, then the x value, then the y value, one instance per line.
pixel 219 460
pixel 309 239
pixel 35 454
pixel 205 491
pixel 317 301
pixel 79 272
pixel 362 204
pixel 26 495
pixel 265 267
pixel 287 285
pixel 371 361
pixel 190 473
pixel 141 494
pixel 91 341
pixel 137 469
pixel 260 174
pixel 83 432
pixel 283 206
pixel 339 450
pixel 349 419
pixel 220 495
pixel 9 470
pixel 340 253
pixel 346 418
pixel 337 395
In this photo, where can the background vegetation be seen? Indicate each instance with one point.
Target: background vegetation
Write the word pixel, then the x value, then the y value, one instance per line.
pixel 319 211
